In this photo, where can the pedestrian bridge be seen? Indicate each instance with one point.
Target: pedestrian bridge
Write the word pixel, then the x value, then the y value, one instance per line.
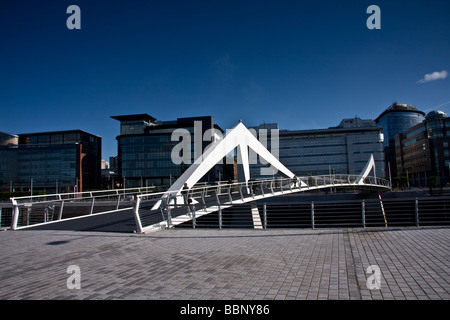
pixel 156 211
pixel 153 210
pixel 179 205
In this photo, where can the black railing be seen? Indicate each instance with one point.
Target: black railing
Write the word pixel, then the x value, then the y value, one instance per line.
pixel 433 211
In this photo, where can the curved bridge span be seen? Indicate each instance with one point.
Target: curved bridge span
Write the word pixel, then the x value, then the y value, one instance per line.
pixel 158 211
pixel 180 204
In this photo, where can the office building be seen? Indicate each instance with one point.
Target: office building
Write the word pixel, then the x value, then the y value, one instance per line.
pixel 396 119
pixel 152 152
pixel 344 149
pixel 60 161
pixel 422 152
pixel 8 160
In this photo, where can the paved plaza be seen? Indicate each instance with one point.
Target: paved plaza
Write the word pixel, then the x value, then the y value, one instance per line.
pixel 203 264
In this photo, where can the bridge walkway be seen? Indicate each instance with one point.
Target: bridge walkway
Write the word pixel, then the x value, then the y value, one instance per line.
pixel 153 213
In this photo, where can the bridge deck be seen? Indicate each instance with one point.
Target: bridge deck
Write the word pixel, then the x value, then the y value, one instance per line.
pixel 176 211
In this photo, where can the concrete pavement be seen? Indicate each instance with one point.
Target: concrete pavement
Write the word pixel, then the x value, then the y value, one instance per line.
pixel 203 264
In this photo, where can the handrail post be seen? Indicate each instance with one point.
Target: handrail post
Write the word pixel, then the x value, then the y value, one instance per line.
pixel 217 198
pixel 203 199
pixel 136 215
pixel 264 216
pixel 220 217
pixel 61 210
pixel 15 217
pixel 118 200
pixel 363 213
pixel 169 214
pixel 194 220
pixel 416 211
pixel 240 191
pixel 92 205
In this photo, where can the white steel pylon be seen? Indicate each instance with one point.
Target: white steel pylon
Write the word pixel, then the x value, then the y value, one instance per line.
pixel 369 166
pixel 239 137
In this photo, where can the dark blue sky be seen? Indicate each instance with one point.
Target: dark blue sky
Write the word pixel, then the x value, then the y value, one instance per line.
pixel 302 64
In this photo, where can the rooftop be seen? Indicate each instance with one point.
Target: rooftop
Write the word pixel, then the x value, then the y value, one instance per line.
pixel 57 132
pixel 436 114
pixel 399 107
pixel 134 117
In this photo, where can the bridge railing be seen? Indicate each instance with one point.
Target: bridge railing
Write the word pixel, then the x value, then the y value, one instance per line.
pixel 354 213
pixel 156 210
pixel 39 209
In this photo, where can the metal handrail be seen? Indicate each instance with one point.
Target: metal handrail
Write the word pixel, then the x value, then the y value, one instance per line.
pixel 92 200
pixel 80 195
pixel 266 187
pixel 352 213
pixel 331 181
pixel 133 197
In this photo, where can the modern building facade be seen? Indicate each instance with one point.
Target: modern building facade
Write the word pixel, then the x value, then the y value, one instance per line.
pixel 60 161
pixel 152 152
pixel 422 152
pixel 344 149
pixel 8 160
pixel 396 119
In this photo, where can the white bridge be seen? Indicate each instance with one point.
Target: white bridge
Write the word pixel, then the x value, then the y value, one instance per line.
pixel 154 210
pixel 178 205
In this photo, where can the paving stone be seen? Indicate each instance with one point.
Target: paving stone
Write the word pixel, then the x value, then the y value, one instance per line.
pixel 192 264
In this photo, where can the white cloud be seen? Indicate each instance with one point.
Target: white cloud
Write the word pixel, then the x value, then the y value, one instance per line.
pixel 434 76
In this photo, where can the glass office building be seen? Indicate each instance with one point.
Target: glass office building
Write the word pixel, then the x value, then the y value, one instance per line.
pixel 8 160
pixel 396 119
pixel 62 161
pixel 147 148
pixel 344 149
pixel 423 151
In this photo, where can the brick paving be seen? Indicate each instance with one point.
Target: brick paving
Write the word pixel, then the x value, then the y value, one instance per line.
pixel 204 264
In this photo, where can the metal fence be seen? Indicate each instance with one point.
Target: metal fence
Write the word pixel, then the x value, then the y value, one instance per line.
pixel 5 215
pixel 153 211
pixel 327 214
pixel 41 209
pixel 160 209
pixel 426 211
